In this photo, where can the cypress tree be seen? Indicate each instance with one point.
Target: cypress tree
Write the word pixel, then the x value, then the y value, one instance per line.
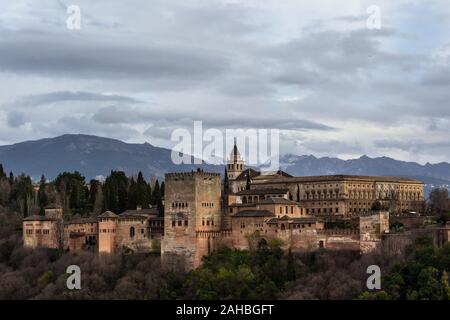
pixel 142 196
pixel 225 180
pixel 163 186
pixel 11 178
pixel 42 194
pixel 132 195
pixel 248 180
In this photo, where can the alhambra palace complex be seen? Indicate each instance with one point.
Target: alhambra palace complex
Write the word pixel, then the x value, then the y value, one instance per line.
pixel 201 214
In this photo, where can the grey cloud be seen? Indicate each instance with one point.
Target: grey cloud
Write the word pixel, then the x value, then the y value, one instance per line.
pixel 416 145
pixel 439 77
pixel 64 96
pixel 118 114
pixel 16 119
pixel 62 56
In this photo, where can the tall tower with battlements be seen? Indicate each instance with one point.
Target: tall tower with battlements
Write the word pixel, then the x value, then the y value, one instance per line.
pixel 192 216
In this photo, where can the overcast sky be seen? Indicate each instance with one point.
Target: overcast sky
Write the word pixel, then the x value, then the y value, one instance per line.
pixel 137 70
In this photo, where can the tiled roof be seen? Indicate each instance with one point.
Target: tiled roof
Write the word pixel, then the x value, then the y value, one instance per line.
pixel 273 175
pixel 277 201
pixel 81 220
pixel 243 174
pixel 253 213
pixel 262 191
pixel 149 211
pixel 36 217
pixel 340 177
pixel 108 214
pixel 293 219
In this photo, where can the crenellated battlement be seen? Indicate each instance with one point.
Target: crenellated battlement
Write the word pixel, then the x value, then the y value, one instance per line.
pixel 190 175
pixel 208 234
pixel 338 232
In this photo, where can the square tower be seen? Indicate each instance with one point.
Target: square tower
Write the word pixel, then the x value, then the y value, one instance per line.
pixel 192 213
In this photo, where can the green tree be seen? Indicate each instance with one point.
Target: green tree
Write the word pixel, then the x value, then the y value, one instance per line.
pixel 11 178
pixel 156 194
pixel 428 284
pixel 142 195
pixel 72 190
pixel 132 195
pixel 445 287
pixel 248 182
pixel 439 201
pixel 163 187
pixel 42 194
pixel 95 196
pixel 2 172
pixel 225 181
pixel 116 192
pixel 22 194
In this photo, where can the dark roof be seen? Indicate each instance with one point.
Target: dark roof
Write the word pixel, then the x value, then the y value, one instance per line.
pixel 304 220
pixel 243 175
pixel 253 213
pixel 293 219
pixel 273 175
pixel 108 214
pixel 134 215
pixel 341 177
pixel 36 217
pixel 53 206
pixel 272 220
pixel 141 211
pixel 242 205
pixel 235 151
pixel 82 220
pixel 277 201
pixel 262 191
pixel 77 234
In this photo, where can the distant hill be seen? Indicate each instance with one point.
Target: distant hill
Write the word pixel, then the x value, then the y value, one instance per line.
pixel 93 156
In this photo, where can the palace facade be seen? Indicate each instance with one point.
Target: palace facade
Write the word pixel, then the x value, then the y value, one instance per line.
pixel 201 214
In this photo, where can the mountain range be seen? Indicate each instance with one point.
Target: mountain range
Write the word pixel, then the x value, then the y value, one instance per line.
pixel 93 156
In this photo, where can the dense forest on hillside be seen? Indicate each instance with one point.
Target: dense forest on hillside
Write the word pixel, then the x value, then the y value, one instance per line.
pixel 76 196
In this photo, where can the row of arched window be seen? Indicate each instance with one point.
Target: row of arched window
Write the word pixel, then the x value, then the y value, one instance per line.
pixel 235 166
pixel 207 222
pixel 178 205
pixel 207 204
